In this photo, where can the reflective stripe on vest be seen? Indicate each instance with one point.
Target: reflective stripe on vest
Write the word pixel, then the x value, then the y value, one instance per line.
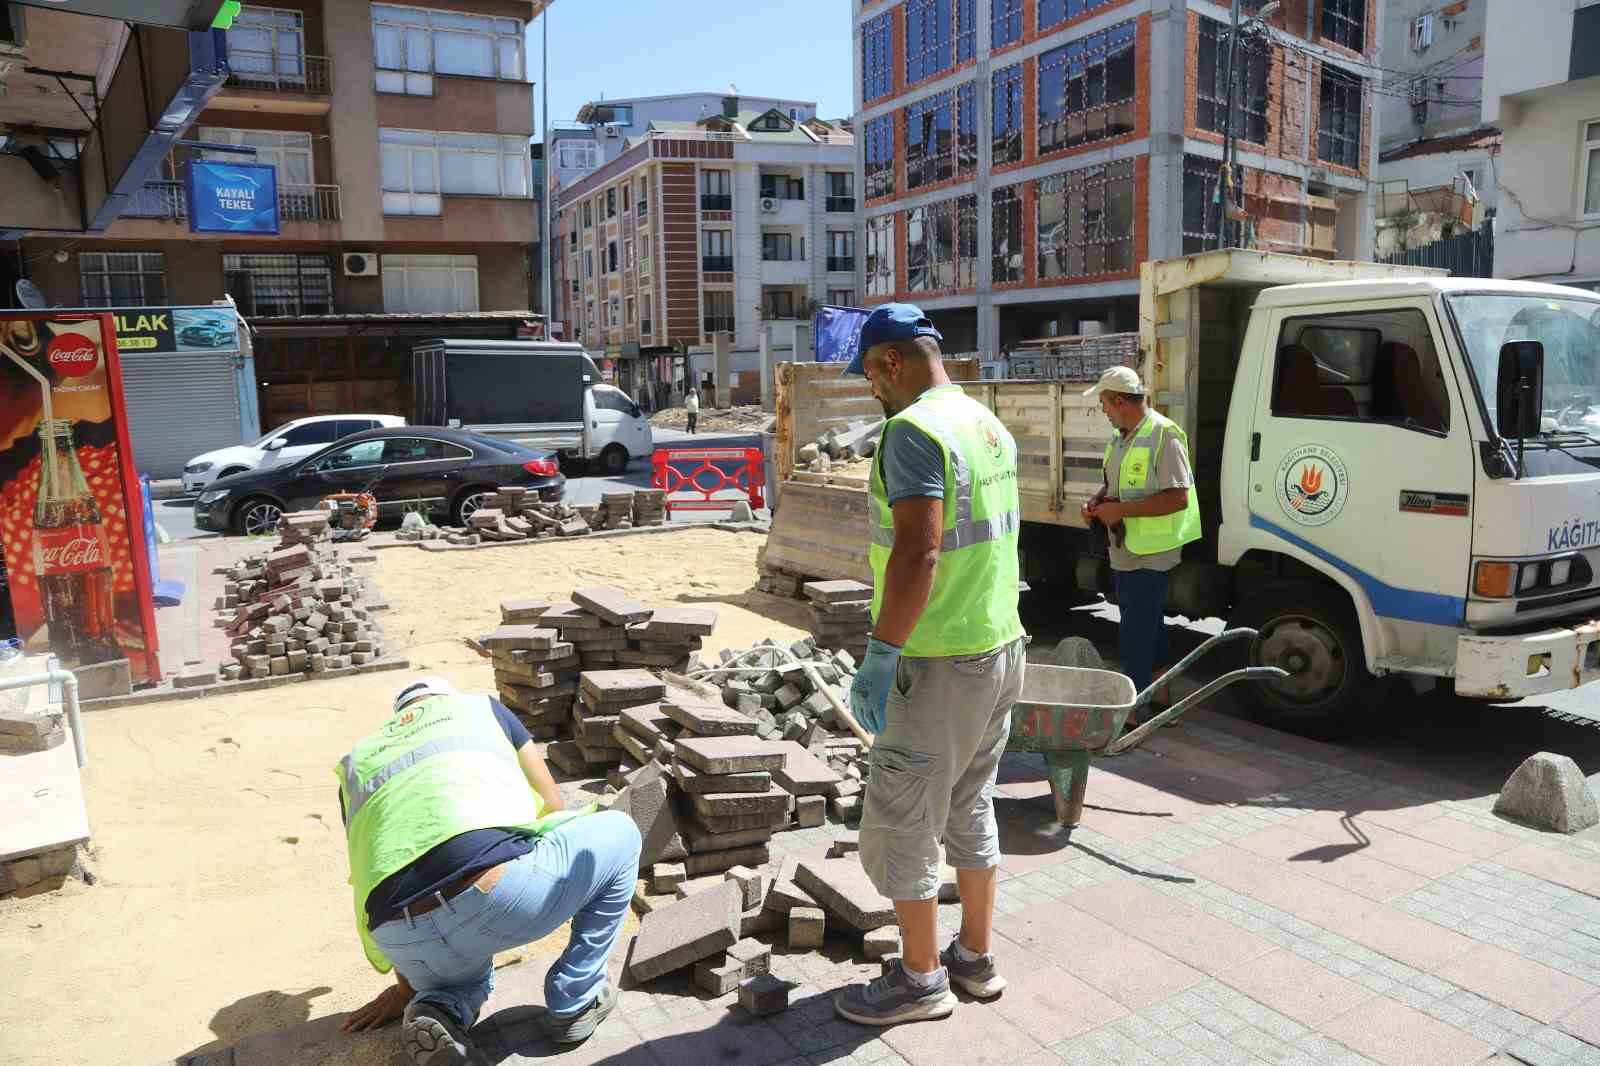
pixel 965 531
pixel 357 794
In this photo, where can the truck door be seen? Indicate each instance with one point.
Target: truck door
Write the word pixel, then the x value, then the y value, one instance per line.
pixel 1362 460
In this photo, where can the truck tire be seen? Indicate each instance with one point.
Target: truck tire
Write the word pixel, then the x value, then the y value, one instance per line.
pixel 1310 630
pixel 614 460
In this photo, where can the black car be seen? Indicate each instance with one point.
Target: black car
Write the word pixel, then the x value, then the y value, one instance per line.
pixel 446 472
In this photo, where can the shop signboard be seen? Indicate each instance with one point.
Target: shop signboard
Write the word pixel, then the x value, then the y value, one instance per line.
pixel 233 197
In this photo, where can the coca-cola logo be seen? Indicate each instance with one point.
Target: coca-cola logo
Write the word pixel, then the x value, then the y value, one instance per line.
pixel 72 355
pixel 66 551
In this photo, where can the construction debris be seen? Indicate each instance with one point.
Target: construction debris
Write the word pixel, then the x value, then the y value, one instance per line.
pixel 681 934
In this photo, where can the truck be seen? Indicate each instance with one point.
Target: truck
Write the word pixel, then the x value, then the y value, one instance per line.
pixel 1398 474
pixel 541 394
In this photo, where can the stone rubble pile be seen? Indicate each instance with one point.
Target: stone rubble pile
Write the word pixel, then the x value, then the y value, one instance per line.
pixel 859 441
pixel 514 513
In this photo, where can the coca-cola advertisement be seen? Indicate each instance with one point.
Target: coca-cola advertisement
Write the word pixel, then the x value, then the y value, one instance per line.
pixel 71 518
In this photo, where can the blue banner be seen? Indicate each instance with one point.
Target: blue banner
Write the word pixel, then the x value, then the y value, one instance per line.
pixel 837 331
pixel 233 197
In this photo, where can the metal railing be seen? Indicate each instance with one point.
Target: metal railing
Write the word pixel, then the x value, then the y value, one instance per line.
pixel 841 262
pixel 284 72
pixel 841 204
pixel 695 135
pixel 835 138
pixel 296 203
pixel 715 202
pixel 717 264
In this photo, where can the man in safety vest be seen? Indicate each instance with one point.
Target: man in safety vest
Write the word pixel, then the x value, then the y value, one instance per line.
pixel 1149 493
pixel 459 849
pixel 943 667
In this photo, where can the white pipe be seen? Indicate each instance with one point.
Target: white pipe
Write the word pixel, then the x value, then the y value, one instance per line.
pixel 69 685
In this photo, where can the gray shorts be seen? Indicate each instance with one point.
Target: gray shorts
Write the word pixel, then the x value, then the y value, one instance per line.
pixel 933 769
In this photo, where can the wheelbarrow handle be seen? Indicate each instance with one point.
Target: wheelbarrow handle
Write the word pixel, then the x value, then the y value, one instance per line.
pixel 1225 637
pixel 1248 673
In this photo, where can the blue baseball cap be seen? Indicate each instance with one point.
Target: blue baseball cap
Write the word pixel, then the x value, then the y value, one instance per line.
pixel 891 322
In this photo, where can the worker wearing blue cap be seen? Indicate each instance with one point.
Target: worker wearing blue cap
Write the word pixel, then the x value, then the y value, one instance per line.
pixel 943 668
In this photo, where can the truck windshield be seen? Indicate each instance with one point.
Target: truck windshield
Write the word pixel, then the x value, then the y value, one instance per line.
pixel 1570 332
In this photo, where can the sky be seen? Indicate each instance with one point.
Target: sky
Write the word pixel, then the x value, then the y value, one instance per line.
pixel 798 49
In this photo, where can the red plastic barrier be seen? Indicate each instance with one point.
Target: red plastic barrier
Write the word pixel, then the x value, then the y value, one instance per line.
pixel 681 470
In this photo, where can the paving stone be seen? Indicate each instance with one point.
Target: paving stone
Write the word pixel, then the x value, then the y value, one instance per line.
pixel 195 676
pixel 1395 1034
pixel 881 942
pixel 685 932
pixel 841 886
pixel 708 720
pixel 772 803
pixel 702 840
pixel 676 624
pixel 847 809
pixel 718 975
pixel 648 722
pixel 752 883
pixel 1549 791
pixel 692 781
pixel 845 842
pixel 516 612
pixel 626 687
pixel 730 755
pixel 807 927
pixel 611 605
pixel 509 638
pixel 810 812
pixel 836 591
pixel 666 876
pixel 802 773
pixel 646 800
pixel 764 994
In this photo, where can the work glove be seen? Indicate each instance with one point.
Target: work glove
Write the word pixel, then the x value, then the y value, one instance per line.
pixel 869 692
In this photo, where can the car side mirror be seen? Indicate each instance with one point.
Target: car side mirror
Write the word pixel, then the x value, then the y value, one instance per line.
pixel 636 411
pixel 275 444
pixel 1519 392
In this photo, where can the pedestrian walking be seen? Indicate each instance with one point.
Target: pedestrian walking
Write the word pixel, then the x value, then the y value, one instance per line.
pixel 691 404
pixel 942 669
pixel 460 848
pixel 1148 505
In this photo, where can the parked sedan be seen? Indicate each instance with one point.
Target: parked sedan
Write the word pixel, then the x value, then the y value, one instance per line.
pixel 290 441
pixel 448 473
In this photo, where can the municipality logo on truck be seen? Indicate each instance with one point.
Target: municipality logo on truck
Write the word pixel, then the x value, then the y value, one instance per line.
pixel 1312 485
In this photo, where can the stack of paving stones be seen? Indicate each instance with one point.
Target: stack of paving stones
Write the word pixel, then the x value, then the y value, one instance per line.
pixel 603 695
pixel 296 609
pixel 650 507
pixel 773 581
pixel 535 671
pixel 615 511
pixel 669 639
pixel 512 513
pixel 841 614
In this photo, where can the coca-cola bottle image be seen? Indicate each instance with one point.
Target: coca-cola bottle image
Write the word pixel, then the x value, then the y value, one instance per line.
pixel 71 557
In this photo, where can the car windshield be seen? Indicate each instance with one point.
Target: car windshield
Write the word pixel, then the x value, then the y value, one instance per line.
pixel 1569 330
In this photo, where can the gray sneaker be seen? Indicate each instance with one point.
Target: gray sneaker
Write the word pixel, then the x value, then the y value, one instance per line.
pixel 576 1028
pixel 979 977
pixel 433 1037
pixel 893 999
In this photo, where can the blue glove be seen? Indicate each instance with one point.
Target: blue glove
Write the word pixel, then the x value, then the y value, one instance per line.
pixel 869 692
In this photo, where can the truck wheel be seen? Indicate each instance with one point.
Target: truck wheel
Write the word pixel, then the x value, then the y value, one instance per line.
pixel 614 460
pixel 1311 631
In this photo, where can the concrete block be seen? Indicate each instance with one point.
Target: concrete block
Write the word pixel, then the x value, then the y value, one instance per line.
pixel 701 840
pixel 279 665
pixel 881 942
pixel 685 932
pixel 847 809
pixel 810 812
pixel 752 955
pixel 516 612
pixel 807 927
pixel 803 774
pixel 841 887
pixel 611 605
pixel 666 876
pixel 764 994
pixel 111 678
pixel 1549 792
pixel 646 801
pixel 699 864
pixel 771 803
pixel 707 720
pixel 729 755
pixel 751 882
pixel 718 975
pixel 692 781
pixel 845 842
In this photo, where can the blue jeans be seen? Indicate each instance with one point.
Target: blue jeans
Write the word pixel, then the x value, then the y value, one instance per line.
pixel 585 871
pixel 1142 636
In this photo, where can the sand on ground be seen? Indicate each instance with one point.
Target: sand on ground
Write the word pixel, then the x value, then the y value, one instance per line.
pixel 221 908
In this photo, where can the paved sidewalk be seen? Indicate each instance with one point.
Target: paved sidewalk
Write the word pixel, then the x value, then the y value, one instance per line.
pixel 1234 896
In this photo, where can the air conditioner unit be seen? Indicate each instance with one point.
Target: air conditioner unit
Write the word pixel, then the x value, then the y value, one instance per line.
pixel 360 265
pixel 769 204
pixel 612 131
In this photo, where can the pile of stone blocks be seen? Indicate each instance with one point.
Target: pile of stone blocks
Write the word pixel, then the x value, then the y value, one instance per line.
pixel 603 696
pixel 773 581
pixel 615 511
pixel 303 527
pixel 841 614
pixel 650 507
pixel 535 671
pixel 669 638
pixel 296 609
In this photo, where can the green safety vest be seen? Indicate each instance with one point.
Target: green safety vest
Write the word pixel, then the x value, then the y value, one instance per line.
pixel 436 769
pixel 1136 481
pixel 973 606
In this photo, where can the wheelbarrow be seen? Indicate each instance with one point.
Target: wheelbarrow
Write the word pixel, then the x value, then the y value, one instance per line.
pixel 1071 714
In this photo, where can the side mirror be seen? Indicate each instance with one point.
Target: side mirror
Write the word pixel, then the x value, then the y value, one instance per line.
pixel 1519 392
pixel 275 444
pixel 637 411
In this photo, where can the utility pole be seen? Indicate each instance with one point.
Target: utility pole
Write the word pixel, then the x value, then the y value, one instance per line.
pixel 1225 172
pixel 545 236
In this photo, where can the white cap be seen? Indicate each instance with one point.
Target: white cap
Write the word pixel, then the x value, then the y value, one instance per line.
pixel 428 685
pixel 1117 379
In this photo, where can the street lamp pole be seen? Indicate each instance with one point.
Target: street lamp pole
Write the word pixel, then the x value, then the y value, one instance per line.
pixel 544 113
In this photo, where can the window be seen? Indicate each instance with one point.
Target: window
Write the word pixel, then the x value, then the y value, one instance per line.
pixel 1339 125
pixel 841 191
pixel 412 44
pixel 1422 33
pixel 877 55
pixel 641 201
pixel 588 215
pixel 1591 168
pixel 782 187
pixel 841 297
pixel 629 307
pixel 1007 91
pixel 1344 22
pixel 419 165
pixel 1086 89
pixel 1377 366
pixel 644 319
pixel 1005 21
pixel 289 152
pixel 1200 180
pixel 880 256
pixel 1086 221
pixel 605 314
pixel 1006 240
pixel 716 190
pixel 588 262
pixel 627 188
pixel 966 128
pixel 610 398
pixel 279 284
pixel 719 311
pixel 419 450
pixel 122 279
pixel 966 29
pixel 644 257
pixel 841 249
pixel 614 312
pixel 627 254
pixel 778 247
pixel 880 156
pixel 927 38
pixel 1052 12
pixel 363 453
pixel 930 140
pixel 716 250
pixel 578 155
pixel 611 202
pixel 611 257
pixel 429 283
pixel 1211 89
pixel 266 46
pixel 942 245
pixel 323 431
pixel 779 303
pixel 613 115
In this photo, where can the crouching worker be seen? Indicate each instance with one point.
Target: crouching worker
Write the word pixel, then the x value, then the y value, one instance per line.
pixel 459 848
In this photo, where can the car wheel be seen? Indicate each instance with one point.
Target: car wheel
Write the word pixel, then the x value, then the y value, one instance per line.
pixel 257 517
pixel 1311 631
pixel 468 502
pixel 614 460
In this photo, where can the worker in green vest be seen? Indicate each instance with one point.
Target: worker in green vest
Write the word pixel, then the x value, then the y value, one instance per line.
pixel 460 847
pixel 943 668
pixel 1149 506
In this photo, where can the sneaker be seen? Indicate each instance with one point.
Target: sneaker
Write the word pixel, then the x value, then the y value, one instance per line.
pixel 576 1028
pixel 893 999
pixel 433 1037
pixel 980 977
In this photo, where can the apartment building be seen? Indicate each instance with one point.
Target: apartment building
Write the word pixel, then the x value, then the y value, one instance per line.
pixel 1018 159
pixel 1541 86
pixel 400 134
pixel 728 223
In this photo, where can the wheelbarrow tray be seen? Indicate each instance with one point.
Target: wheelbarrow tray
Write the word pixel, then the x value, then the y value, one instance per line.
pixel 1067 708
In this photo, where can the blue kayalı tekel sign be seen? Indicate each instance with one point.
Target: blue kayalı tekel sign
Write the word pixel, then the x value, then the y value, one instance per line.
pixel 233 197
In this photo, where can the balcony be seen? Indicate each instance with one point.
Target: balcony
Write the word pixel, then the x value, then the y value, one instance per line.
pixel 716 264
pixel 287 83
pixel 840 205
pixel 296 203
pixel 716 202
pixel 841 263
